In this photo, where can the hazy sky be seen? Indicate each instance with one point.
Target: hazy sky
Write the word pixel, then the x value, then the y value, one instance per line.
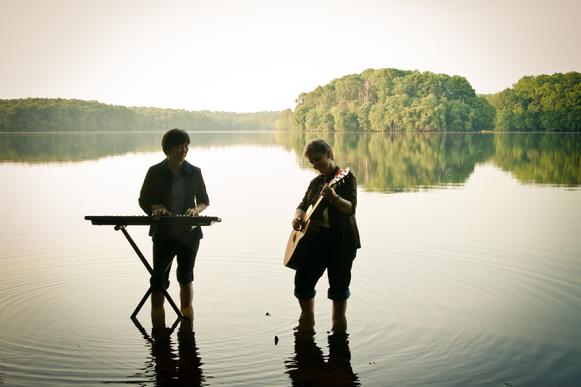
pixel 251 55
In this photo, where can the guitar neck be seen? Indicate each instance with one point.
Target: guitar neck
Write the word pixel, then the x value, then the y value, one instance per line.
pixel 337 180
pixel 313 207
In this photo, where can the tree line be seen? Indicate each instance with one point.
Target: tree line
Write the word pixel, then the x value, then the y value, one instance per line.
pixel 544 102
pixel 56 114
pixel 392 100
pixel 383 100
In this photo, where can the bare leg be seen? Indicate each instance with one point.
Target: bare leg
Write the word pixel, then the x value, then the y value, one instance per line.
pixel 307 318
pixel 157 299
pixel 307 307
pixel 339 319
pixel 186 298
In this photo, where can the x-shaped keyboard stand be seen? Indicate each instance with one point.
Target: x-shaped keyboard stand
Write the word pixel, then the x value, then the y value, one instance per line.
pixel 121 222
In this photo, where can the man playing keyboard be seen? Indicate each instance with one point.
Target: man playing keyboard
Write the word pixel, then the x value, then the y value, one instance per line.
pixel 174 187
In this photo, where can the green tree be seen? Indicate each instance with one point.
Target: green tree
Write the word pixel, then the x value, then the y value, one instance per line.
pixel 46 114
pixel 540 103
pixel 395 100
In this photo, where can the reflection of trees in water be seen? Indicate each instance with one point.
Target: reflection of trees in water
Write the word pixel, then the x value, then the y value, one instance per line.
pixel 67 147
pixel 410 161
pixel 545 158
pixel 400 162
pixel 381 162
pixel 310 367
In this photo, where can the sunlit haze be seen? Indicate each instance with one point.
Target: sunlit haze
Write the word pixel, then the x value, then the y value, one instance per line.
pixel 259 55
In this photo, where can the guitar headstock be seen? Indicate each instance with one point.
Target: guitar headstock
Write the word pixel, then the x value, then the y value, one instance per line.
pixel 340 176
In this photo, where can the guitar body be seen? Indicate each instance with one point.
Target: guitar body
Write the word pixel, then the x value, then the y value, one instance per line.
pixel 300 242
pixel 298 246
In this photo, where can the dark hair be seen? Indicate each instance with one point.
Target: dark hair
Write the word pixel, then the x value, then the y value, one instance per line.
pixel 318 146
pixel 174 137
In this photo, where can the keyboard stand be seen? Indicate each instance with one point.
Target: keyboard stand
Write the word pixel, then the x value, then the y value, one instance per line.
pixel 121 222
pixel 152 274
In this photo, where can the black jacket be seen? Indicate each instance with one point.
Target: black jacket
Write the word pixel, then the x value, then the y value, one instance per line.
pixel 343 226
pixel 157 187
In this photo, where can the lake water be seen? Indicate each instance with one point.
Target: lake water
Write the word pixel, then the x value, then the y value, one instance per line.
pixel 469 275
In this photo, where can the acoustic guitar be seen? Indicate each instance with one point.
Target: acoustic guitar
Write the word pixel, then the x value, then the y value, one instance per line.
pixel 300 241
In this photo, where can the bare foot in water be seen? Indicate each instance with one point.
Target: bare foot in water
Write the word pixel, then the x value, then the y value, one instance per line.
pixel 306 324
pixel 188 312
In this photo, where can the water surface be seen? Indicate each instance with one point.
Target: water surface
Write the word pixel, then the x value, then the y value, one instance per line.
pixel 470 271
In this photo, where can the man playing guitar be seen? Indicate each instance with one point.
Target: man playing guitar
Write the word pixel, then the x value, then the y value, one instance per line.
pixel 334 239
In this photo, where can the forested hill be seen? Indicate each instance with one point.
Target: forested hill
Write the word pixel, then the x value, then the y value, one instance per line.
pixel 47 114
pixel 391 100
pixel 543 102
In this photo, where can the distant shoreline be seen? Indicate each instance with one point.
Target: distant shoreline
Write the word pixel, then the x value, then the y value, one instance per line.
pixel 63 115
pixel 286 131
pixel 121 131
pixel 383 101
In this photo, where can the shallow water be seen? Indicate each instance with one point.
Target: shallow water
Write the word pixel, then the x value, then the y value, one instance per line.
pixel 470 271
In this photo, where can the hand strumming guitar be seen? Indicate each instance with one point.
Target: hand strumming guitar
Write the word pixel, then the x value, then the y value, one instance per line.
pixel 298 220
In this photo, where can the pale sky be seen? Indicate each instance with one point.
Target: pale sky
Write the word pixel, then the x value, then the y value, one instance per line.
pixel 254 55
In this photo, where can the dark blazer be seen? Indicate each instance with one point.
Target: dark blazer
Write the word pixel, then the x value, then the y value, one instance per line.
pixel 343 226
pixel 157 187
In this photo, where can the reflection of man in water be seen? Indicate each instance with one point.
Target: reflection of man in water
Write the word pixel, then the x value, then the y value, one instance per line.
pixel 171 370
pixel 309 368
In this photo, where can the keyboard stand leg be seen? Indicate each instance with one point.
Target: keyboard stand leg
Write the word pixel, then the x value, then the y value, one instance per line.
pixel 140 305
pixel 151 273
pixel 166 295
pixel 173 305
